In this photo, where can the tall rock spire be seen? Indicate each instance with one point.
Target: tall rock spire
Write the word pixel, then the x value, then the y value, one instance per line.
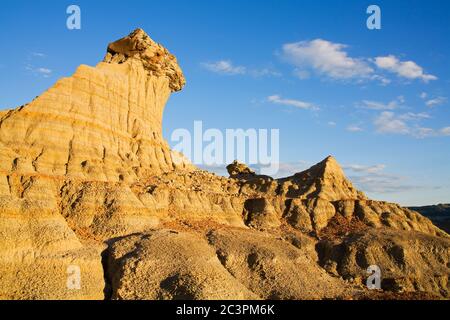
pixel 102 123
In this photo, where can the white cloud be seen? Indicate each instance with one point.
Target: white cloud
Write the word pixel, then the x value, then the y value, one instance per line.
pixel 327 58
pixel 332 123
pixel 224 67
pixel 291 102
pixel 375 105
pixel 407 124
pixel 332 60
pixel 354 128
pixel 436 102
pixel 423 95
pixel 406 69
pixel 387 122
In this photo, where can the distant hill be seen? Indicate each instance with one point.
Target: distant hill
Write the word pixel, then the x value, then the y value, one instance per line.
pixel 439 214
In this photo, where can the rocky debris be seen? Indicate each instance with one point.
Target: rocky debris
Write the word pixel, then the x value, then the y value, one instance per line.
pixel 84 167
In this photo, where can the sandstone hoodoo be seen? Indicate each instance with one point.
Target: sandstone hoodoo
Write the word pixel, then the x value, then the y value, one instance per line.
pixel 90 189
pixel 103 123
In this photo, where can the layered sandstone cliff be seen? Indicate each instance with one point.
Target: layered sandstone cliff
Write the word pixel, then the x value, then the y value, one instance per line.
pixel 102 123
pixel 87 180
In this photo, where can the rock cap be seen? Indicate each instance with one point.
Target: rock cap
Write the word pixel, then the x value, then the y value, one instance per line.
pixel 157 60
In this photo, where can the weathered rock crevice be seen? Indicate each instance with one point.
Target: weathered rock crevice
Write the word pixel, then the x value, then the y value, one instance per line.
pixel 108 289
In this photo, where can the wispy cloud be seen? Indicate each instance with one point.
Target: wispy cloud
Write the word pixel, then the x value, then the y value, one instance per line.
pixel 373 178
pixel 354 128
pixel 410 116
pixel 227 67
pixel 406 124
pixel 445 131
pixel 44 71
pixel 38 54
pixel 436 102
pixel 382 183
pixel 388 122
pixel 39 71
pixel 365 169
pixel 301 74
pixel 405 69
pixel 224 67
pixel 276 99
pixel 31 67
pixel 376 105
pixel 263 72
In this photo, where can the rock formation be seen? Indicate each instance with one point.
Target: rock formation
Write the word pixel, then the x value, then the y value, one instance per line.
pixel 103 123
pixel 87 181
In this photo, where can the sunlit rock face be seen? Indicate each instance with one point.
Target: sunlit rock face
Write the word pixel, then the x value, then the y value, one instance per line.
pixel 103 123
pixel 87 183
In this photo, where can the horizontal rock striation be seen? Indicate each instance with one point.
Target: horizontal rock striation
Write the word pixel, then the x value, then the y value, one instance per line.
pixel 102 123
pixel 87 179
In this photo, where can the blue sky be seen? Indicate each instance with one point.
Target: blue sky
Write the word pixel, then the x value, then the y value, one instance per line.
pixel 378 100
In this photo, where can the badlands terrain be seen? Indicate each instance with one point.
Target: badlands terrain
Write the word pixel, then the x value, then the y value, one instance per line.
pixel 87 180
pixel 438 214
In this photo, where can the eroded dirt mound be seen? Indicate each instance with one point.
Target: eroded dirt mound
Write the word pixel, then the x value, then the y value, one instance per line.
pixel 410 261
pixel 167 264
pixel 272 267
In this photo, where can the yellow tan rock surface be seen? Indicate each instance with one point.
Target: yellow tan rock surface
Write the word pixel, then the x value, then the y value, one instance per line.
pixel 87 179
